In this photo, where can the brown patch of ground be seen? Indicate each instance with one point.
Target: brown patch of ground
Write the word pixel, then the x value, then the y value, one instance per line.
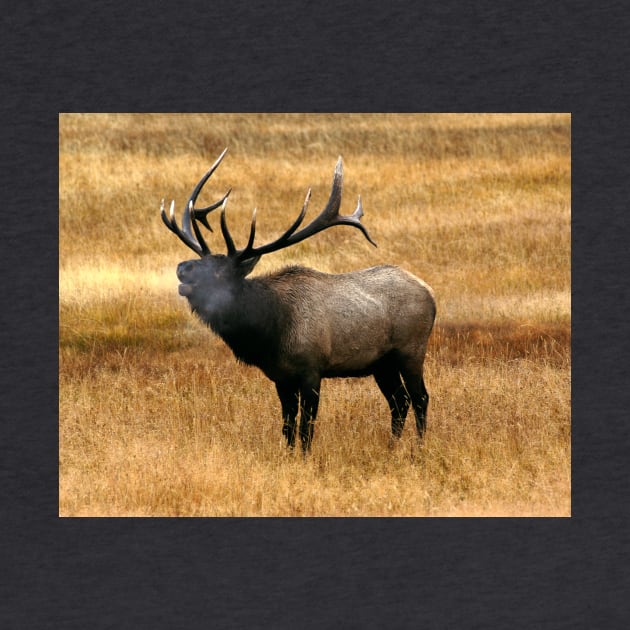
pixel 455 343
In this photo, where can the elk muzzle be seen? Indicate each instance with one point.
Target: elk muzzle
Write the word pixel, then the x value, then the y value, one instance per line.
pixel 185 273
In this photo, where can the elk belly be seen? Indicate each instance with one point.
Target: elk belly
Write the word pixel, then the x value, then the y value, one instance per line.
pixel 354 351
pixel 360 363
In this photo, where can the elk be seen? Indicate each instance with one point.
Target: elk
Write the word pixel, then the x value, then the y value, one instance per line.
pixel 299 325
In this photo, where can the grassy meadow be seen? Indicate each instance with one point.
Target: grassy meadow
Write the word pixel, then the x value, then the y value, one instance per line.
pixel 156 417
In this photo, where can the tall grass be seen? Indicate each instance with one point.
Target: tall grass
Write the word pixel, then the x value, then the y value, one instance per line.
pixel 157 418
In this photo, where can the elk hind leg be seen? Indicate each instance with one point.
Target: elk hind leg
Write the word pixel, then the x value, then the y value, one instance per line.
pixel 412 374
pixel 388 380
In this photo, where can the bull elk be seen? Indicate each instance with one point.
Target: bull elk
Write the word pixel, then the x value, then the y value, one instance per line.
pixel 299 325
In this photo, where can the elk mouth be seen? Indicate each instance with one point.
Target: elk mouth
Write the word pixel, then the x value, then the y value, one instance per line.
pixel 185 289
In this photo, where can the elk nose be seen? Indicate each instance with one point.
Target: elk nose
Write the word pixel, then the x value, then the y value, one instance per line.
pixel 184 269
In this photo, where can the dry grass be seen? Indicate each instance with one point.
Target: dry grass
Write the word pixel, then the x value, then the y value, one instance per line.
pixel 157 418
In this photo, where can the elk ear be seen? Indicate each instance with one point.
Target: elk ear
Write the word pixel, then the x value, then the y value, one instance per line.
pixel 245 267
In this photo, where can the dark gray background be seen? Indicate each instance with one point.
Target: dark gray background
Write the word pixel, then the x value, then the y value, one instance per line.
pixel 316 56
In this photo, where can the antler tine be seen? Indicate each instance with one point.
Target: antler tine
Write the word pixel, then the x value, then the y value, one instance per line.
pixel 252 232
pixel 189 213
pixel 186 237
pixel 190 233
pixel 188 226
pixel 229 241
pixel 250 251
pixel 200 185
pixel 328 217
pixel 201 214
pixel 354 219
pixel 227 237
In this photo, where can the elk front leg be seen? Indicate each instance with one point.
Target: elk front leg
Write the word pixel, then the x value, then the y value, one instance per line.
pixel 309 401
pixel 289 395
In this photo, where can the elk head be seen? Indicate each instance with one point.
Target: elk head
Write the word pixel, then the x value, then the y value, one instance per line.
pixel 217 272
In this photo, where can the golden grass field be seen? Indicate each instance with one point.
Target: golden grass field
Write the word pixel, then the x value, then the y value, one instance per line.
pixel 156 417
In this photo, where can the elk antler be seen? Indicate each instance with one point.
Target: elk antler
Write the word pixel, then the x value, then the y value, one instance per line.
pixel 191 215
pixel 327 218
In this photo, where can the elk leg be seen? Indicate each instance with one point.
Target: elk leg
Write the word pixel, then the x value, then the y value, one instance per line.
pixel 389 382
pixel 309 401
pixel 289 399
pixel 414 382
